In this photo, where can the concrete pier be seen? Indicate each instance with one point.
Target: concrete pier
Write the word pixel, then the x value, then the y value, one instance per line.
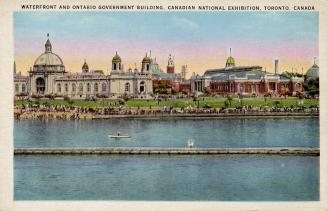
pixel 166 151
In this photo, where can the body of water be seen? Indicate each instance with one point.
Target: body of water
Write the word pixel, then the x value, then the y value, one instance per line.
pixel 271 132
pixel 164 177
pixel 116 177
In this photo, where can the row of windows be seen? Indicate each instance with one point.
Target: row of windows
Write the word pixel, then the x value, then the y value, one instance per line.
pixel 17 88
pixel 81 87
pixel 252 88
pixel 248 88
pixel 218 87
pixel 95 87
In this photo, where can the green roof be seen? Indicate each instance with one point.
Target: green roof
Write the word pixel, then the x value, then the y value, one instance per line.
pixel 146 59
pixel 230 61
pixel 116 58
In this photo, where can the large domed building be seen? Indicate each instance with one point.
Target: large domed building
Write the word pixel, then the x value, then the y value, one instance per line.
pixel 47 67
pixel 48 77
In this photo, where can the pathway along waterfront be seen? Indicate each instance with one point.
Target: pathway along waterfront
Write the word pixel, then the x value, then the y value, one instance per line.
pixel 167 151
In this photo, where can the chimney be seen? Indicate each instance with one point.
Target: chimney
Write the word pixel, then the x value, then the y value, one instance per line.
pixel 276 66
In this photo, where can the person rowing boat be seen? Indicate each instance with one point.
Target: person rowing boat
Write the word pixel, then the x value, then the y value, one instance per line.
pixel 118 135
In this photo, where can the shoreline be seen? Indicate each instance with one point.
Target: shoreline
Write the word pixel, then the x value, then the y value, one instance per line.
pixel 83 116
pixel 167 151
pixel 199 116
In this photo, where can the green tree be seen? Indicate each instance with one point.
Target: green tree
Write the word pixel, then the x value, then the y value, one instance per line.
pixel 311 87
pixel 229 98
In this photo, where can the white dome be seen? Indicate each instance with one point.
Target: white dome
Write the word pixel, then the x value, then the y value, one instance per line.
pixel 48 59
pixel 313 72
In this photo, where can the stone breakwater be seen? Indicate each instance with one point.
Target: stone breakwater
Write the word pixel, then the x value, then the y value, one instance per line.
pixel 166 151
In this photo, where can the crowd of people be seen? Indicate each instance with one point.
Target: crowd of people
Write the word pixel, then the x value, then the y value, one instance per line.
pixel 74 112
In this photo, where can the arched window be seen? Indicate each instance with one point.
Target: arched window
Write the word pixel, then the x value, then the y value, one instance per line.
pixel 40 85
pixel 127 87
pixel 88 87
pixel 66 87
pixel 23 88
pixel 74 87
pixel 80 87
pixel 115 66
pixel 58 88
pixel 96 88
pixel 147 67
pixel 16 88
pixel 104 87
pixel 142 86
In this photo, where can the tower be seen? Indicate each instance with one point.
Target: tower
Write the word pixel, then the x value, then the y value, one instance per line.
pixel 184 72
pixel 116 64
pixel 146 62
pixel 85 67
pixel 170 66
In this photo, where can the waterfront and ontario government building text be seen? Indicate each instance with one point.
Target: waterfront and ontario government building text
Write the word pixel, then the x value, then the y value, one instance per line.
pixel 168 8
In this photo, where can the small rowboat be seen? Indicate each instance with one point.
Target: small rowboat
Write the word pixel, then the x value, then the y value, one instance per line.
pixel 116 136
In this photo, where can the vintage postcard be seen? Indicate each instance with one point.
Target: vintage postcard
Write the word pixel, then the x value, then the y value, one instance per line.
pixel 155 105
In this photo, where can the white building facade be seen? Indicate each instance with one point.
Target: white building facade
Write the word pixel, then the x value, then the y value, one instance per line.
pixel 48 77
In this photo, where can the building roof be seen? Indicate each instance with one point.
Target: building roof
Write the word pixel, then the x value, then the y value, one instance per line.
pixel 48 59
pixel 146 59
pixel 230 62
pixel 211 72
pixel 313 72
pixel 116 58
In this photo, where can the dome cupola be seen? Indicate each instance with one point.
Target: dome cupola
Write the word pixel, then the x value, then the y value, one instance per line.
pixel 230 62
pixel 146 59
pixel 146 62
pixel 116 58
pixel 48 61
pixel 313 72
pixel 116 64
pixel 48 46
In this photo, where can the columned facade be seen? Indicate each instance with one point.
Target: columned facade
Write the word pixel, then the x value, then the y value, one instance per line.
pixel 48 77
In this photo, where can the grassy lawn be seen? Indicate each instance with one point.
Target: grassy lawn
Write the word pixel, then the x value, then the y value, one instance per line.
pixel 178 103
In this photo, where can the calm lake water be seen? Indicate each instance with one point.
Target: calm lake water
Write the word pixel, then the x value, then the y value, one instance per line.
pixel 273 132
pixel 163 177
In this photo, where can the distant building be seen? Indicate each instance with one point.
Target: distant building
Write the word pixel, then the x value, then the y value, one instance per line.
pixel 49 77
pixel 244 80
pixel 21 83
pixel 313 72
